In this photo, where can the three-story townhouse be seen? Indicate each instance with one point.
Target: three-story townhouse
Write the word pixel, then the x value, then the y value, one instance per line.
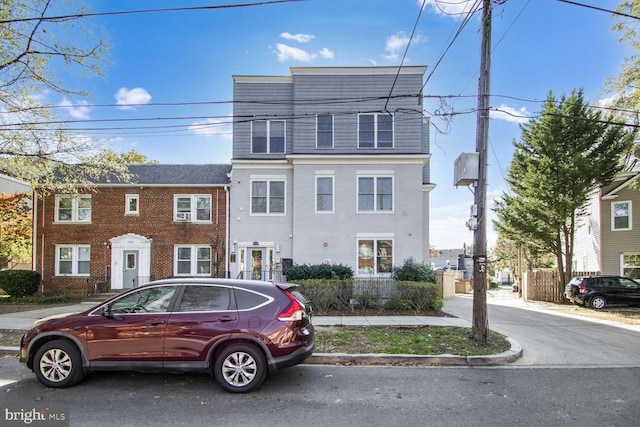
pixel 330 165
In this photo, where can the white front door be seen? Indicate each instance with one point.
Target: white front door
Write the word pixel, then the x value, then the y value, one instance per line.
pixel 130 261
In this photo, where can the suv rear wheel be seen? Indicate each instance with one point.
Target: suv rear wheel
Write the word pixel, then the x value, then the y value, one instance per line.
pixel 598 302
pixel 240 368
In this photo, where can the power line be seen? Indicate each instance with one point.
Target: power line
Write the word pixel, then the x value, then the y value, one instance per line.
pixel 601 9
pixel 129 12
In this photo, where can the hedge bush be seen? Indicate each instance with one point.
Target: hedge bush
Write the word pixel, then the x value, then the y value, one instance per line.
pixel 319 271
pixel 416 296
pixel 327 294
pixel 19 283
pixel 412 271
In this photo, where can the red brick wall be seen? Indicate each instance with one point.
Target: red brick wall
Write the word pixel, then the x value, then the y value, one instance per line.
pixel 108 220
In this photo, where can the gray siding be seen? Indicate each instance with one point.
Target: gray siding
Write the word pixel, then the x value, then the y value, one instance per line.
pixel 302 234
pixel 615 243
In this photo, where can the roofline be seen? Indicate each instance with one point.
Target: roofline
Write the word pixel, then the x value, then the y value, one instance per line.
pixel 330 71
pixel 628 178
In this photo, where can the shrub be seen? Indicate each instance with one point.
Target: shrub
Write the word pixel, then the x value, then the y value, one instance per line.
pixel 416 296
pixel 327 294
pixel 19 283
pixel 319 271
pixel 411 271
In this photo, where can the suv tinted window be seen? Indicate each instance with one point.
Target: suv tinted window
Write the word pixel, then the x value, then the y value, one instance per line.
pixel 628 283
pixel 248 300
pixel 205 298
pixel 151 300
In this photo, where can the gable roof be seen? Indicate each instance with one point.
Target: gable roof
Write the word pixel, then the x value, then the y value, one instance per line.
pixel 157 174
pixel 621 182
pixel 206 174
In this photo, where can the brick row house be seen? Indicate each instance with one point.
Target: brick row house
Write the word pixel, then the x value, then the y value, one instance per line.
pixel 169 220
pixel 330 165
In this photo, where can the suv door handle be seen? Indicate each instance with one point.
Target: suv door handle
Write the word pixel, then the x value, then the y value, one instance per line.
pixel 226 319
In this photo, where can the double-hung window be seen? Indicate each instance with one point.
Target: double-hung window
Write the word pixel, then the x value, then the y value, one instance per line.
pixel 268 136
pixel 324 194
pixel 267 196
pixel 375 255
pixel 324 131
pixel 131 204
pixel 192 260
pixel 73 208
pixel 375 194
pixel 621 216
pixel 192 208
pixel 375 130
pixel 73 260
pixel 630 265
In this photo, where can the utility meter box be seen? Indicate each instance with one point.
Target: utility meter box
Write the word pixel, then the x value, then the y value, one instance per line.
pixel 466 169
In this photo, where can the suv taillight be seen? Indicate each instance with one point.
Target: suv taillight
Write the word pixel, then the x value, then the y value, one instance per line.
pixel 293 311
pixel 583 289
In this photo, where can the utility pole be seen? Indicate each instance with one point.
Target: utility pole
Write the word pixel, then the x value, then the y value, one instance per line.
pixel 480 322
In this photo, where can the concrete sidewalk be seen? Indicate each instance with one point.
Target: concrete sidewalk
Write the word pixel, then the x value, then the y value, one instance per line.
pixel 24 320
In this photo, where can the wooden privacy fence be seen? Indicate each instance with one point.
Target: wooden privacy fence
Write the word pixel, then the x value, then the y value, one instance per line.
pixel 542 285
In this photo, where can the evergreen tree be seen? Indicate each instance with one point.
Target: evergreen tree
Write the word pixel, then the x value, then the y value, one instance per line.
pixel 561 157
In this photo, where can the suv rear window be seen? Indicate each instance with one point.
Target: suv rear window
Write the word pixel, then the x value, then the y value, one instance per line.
pixel 205 298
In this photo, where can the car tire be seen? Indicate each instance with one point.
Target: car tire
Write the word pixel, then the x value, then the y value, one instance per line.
pixel 240 368
pixel 598 302
pixel 58 364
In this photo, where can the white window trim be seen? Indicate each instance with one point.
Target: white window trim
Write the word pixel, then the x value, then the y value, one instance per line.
pixel 74 209
pixel 74 260
pixel 332 132
pixel 375 194
pixel 375 131
pixel 622 264
pixel 613 215
pixel 192 215
pixel 193 270
pixel 268 181
pixel 284 148
pixel 376 238
pixel 127 204
pixel 333 194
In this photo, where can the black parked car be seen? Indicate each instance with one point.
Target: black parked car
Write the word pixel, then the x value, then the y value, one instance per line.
pixel 599 291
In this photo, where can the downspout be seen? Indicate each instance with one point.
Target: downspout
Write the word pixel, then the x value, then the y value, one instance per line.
pixel 34 229
pixel 226 232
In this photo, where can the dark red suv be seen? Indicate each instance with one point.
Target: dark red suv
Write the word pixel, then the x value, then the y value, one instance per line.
pixel 237 330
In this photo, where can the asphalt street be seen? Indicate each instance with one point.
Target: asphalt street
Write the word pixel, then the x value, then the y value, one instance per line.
pixel 551 339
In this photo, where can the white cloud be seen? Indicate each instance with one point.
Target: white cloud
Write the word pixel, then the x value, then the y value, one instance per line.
pixel 288 53
pixel 397 43
pixel 127 99
pixel 449 8
pixel 300 38
pixel 212 127
pixel 78 111
pixel 326 53
pixel 509 114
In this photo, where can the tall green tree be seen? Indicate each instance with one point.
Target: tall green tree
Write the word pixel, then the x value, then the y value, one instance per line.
pixel 15 228
pixel 626 85
pixel 34 52
pixel 560 158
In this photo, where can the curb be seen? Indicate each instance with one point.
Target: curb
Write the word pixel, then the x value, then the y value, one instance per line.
pixel 511 355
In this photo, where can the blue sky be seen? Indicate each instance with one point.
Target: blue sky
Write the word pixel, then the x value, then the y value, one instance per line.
pixel 185 58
